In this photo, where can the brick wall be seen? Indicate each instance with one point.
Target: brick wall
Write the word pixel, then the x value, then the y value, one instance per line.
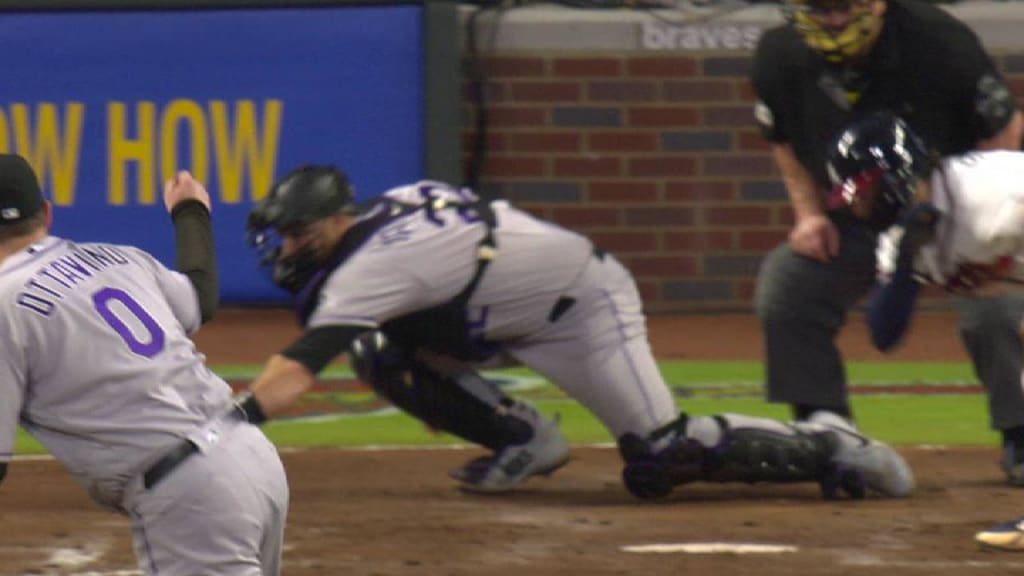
pixel 655 157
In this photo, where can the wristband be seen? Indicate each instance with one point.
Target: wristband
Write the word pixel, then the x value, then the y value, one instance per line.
pixel 250 408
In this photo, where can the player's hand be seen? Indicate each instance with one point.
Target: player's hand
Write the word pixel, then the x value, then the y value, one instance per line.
pixel 184 187
pixel 815 237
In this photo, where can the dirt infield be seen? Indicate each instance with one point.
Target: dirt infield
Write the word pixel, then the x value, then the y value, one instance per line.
pixel 385 513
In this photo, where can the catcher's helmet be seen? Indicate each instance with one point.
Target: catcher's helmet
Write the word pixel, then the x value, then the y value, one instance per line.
pixel 838 44
pixel 877 162
pixel 305 195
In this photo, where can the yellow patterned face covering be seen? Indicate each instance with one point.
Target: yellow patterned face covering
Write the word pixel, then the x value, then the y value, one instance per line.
pixel 842 30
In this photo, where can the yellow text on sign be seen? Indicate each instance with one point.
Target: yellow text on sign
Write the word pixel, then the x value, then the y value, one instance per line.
pixel 237 139
pixel 234 138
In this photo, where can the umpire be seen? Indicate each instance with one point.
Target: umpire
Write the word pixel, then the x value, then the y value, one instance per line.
pixel 832 62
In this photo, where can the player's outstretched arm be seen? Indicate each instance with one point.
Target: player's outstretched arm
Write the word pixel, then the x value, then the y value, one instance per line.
pixel 188 203
pixel 891 305
pixel 890 309
pixel 282 382
pixel 291 373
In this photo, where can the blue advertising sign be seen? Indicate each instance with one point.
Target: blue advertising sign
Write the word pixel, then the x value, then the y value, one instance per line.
pixel 108 105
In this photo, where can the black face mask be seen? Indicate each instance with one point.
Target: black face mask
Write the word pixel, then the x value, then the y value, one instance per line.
pixel 305 195
pixel 294 272
pixel 291 273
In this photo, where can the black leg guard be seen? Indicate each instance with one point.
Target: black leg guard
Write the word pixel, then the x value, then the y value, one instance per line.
pixel 769 453
pixel 755 455
pixel 439 401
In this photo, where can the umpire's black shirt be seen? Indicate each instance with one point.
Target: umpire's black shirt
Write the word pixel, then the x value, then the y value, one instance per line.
pixel 927 67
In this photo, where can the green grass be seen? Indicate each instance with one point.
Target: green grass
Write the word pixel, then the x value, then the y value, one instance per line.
pixel 703 387
pixel 900 420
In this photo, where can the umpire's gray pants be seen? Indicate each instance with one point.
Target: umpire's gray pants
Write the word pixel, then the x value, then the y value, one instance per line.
pixel 803 303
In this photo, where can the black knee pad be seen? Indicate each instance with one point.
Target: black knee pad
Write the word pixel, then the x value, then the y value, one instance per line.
pixel 379 362
pixel 436 399
pixel 652 473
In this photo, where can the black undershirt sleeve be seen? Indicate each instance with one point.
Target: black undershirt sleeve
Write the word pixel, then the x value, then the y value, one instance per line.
pixel 318 347
pixel 196 253
pixel 3 470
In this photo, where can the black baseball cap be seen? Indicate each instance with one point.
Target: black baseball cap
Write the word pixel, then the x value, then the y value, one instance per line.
pixel 20 196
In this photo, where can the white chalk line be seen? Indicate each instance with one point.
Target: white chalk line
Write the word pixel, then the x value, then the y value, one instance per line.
pixel 860 558
pixel 709 548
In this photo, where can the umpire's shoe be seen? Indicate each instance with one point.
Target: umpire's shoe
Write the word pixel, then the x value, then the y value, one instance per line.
pixel 546 452
pixel 859 462
pixel 1008 536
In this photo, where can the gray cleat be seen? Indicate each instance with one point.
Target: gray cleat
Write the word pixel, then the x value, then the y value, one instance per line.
pixel 875 465
pixel 546 452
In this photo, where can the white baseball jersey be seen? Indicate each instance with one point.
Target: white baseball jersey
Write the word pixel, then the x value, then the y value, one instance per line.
pixel 981 198
pixel 597 351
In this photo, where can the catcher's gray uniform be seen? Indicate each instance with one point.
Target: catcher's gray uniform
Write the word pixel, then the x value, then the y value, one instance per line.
pixel 97 364
pixel 596 350
pixel 460 284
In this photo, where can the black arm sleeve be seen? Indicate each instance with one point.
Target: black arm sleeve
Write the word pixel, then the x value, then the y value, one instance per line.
pixel 318 347
pixel 3 471
pixel 197 256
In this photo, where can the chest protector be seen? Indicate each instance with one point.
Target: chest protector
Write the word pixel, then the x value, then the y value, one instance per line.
pixel 444 328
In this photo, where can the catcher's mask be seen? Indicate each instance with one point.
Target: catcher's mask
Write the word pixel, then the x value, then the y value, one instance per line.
pixel 300 199
pixel 874 165
pixel 841 30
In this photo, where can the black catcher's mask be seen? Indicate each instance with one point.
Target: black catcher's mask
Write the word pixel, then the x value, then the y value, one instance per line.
pixel 877 161
pixel 303 196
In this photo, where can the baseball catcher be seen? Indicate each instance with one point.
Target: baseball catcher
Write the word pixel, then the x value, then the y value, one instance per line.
pixel 428 284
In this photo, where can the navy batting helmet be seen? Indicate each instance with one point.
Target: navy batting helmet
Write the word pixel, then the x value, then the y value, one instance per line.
pixel 305 195
pixel 876 162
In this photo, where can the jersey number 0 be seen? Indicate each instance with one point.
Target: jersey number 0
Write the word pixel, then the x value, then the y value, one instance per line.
pixel 102 300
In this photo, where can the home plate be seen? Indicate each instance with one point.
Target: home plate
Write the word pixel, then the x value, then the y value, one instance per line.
pixel 709 548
